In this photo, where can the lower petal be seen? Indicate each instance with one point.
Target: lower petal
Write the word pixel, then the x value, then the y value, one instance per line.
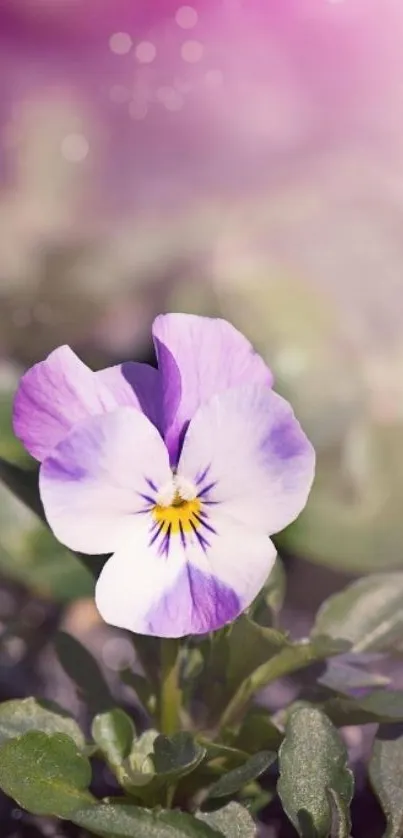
pixel 193 588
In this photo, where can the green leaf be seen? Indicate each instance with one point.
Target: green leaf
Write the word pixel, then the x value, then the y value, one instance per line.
pixel 312 759
pixel 113 732
pixel 378 706
pixel 340 815
pixel 123 821
pixel 30 554
pixel 45 774
pixel 23 483
pixel 82 668
pixel 257 731
pixel 343 676
pixel 226 668
pixel 255 804
pixel 269 603
pixel 368 613
pixel 177 755
pixel 155 761
pixel 217 750
pixel 290 658
pixel 21 715
pixel 386 775
pixel 231 782
pixel 233 821
pixel 142 687
pixel 10 446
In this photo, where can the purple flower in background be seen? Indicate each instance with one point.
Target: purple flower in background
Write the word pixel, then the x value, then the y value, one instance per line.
pixel 181 473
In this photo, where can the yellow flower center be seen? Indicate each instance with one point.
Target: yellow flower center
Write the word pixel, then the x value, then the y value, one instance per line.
pixel 182 515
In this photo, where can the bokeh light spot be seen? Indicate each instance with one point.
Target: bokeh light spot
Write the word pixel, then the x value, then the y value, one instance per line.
pixel 186 17
pixel 145 52
pixel 214 78
pixel 75 148
pixel 170 98
pixel 192 51
pixel 118 653
pixel 120 43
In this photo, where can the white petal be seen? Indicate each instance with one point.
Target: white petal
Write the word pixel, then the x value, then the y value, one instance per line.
pixel 107 469
pixel 246 452
pixel 192 588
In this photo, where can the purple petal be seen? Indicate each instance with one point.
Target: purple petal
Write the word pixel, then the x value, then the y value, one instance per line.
pixel 58 393
pixel 199 357
pixel 100 476
pixel 135 385
pixel 52 397
pixel 187 590
pixel 261 464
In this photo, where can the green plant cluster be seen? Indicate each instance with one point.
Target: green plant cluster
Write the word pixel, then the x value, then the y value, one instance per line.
pixel 214 764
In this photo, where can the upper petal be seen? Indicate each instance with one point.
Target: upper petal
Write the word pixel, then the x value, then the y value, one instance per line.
pixel 98 477
pixel 248 455
pixel 188 588
pixel 199 357
pixel 57 393
pixel 135 385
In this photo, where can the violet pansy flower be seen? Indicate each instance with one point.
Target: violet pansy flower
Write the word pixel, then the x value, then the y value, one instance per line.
pixel 180 472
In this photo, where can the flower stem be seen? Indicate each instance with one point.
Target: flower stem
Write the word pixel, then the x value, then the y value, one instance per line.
pixel 170 694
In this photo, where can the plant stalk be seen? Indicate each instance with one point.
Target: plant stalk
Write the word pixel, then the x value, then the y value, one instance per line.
pixel 170 694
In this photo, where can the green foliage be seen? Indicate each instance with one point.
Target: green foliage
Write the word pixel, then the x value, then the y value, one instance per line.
pixel 290 658
pixel 156 761
pixel 226 744
pixel 340 815
pixel 23 483
pixel 177 755
pixel 386 775
pixel 123 821
pixel 30 554
pixel 22 715
pixel 113 732
pixel 226 668
pixel 232 821
pixel 268 604
pixel 84 671
pixel 377 706
pixel 368 614
pixel 45 773
pixel 343 675
pixel 257 730
pixel 313 761
pixel 234 780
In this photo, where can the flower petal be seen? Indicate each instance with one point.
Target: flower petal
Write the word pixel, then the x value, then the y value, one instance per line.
pixel 52 397
pixel 134 385
pixel 56 394
pixel 96 479
pixel 199 357
pixel 187 591
pixel 246 452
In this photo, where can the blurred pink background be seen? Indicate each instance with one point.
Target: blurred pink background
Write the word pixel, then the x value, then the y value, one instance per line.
pixel 237 157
